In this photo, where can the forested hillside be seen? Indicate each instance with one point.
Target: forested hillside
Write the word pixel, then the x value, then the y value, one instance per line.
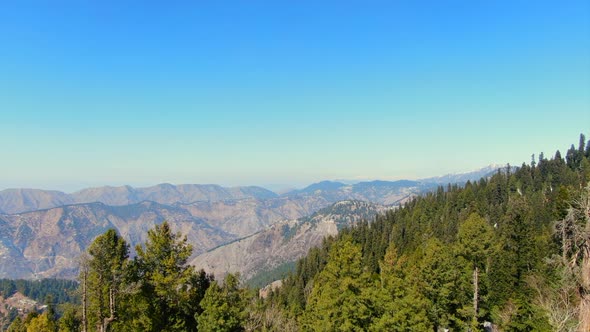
pixel 511 252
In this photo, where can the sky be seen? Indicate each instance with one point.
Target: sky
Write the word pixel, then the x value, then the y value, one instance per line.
pixel 284 92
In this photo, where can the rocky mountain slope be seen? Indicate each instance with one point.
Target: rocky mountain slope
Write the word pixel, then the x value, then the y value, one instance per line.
pixel 47 243
pixel 285 241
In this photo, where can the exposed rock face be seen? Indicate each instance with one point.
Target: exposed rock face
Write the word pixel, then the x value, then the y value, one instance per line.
pixel 19 302
pixel 247 216
pixel 47 243
pixel 263 292
pixel 285 241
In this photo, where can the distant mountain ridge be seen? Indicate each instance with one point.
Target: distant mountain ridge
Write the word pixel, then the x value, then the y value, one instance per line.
pixel 384 192
pixel 381 192
pixel 461 178
pixel 24 200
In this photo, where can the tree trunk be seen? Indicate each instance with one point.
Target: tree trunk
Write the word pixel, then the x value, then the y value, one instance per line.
pixel 84 300
pixel 100 299
pixel 111 318
pixel 584 313
pixel 584 308
pixel 475 292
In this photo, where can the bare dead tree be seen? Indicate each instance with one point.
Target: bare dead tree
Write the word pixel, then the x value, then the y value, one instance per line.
pixel 574 230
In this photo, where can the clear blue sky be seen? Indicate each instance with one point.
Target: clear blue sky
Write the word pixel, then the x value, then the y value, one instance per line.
pixel 290 92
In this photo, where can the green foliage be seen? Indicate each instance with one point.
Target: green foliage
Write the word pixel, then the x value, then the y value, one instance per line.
pixel 106 266
pixel 223 307
pixel 495 234
pixel 404 306
pixel 17 326
pixel 42 323
pixel 440 281
pixel 474 240
pixel 156 291
pixel 342 297
pixel 70 321
pixel 34 323
pixel 163 279
pixel 61 290
pixel 264 278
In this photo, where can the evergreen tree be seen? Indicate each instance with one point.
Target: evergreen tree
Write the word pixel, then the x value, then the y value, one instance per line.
pixel 107 263
pixel 17 326
pixel 340 299
pixel 70 320
pixel 474 239
pixel 163 277
pixel 571 157
pixel 223 307
pixel 404 306
pixel 42 323
pixel 439 280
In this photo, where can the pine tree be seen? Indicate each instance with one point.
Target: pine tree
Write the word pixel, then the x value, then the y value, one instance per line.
pixel 438 276
pixel 223 307
pixel 340 298
pixel 70 320
pixel 17 325
pixel 107 263
pixel 571 157
pixel 474 243
pixel 404 306
pixel 42 323
pixel 163 277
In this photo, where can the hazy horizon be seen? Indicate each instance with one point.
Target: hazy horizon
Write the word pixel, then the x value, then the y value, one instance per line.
pixel 275 187
pixel 110 93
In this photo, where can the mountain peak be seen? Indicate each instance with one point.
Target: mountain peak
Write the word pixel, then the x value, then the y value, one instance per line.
pixel 322 185
pixel 463 177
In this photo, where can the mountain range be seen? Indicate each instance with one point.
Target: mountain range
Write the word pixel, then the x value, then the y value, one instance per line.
pixel 23 200
pixel 42 232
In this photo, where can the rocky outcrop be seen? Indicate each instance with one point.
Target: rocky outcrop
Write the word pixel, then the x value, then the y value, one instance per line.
pixel 284 241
